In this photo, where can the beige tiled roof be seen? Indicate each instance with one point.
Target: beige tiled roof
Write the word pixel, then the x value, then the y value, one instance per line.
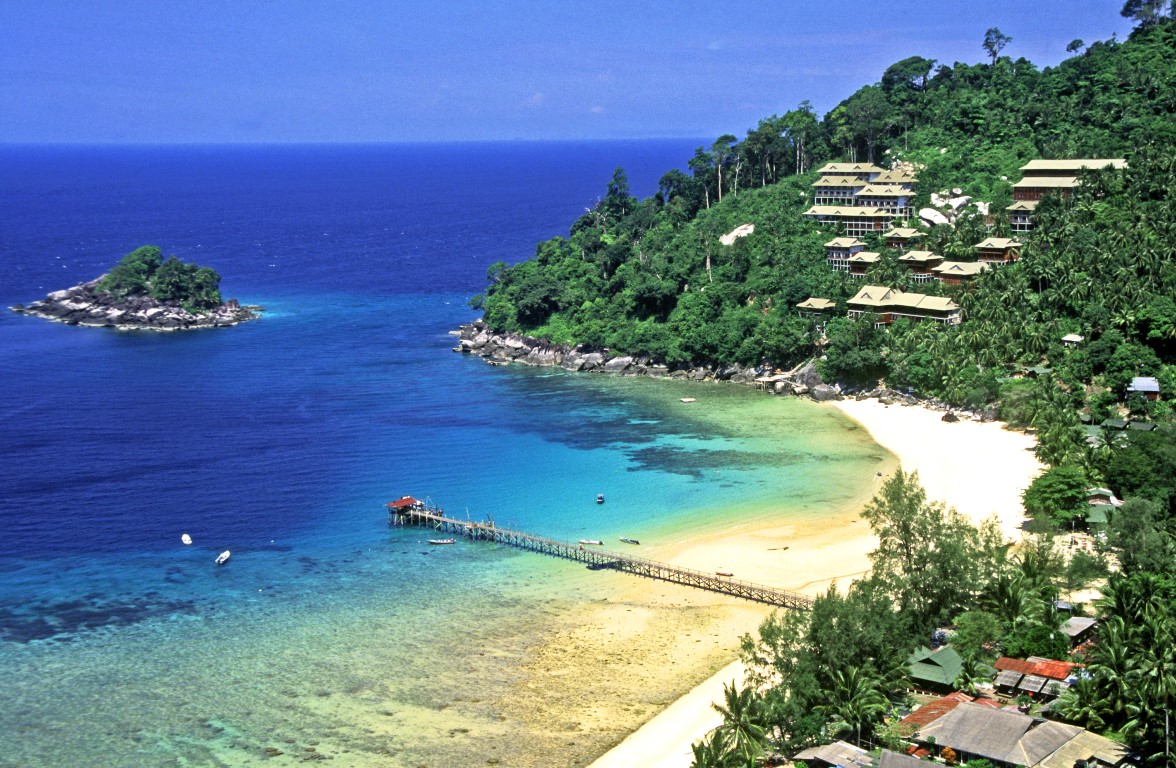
pixel 1023 205
pixel 879 296
pixel 905 232
pixel 816 303
pixel 962 268
pixel 998 242
pixel 1072 165
pixel 846 211
pixel 844 242
pixel 838 181
pixel 1052 182
pixel 894 177
pixel 865 257
pixel 883 190
pixel 920 256
pixel 850 168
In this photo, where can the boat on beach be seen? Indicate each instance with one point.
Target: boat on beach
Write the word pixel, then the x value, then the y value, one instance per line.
pixel 594 542
pixel 627 540
pixel 724 573
pixel 441 541
pixel 223 557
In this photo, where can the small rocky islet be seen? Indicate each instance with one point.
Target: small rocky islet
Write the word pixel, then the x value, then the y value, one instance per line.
pixel 145 291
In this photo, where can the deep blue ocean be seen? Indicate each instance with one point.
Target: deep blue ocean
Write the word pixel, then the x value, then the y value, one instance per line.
pixel 281 439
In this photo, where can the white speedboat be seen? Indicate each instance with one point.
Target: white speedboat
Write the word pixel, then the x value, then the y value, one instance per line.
pixel 223 557
pixel 186 539
pixel 595 542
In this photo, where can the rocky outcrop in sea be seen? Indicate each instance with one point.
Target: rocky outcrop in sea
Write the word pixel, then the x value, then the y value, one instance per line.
pixel 85 305
pixel 501 348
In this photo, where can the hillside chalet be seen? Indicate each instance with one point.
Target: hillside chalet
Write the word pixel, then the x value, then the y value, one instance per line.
pixel 920 264
pixel 1045 177
pixel 998 250
pixel 959 272
pixel 901 237
pixel 889 304
pixel 861 197
pixel 840 249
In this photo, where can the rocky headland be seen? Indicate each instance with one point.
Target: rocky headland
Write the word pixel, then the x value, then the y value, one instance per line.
pixel 86 305
pixel 501 348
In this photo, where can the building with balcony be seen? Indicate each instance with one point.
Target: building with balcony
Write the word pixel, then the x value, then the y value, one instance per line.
pixel 998 250
pixel 959 272
pixel 1048 177
pixel 920 264
pixel 839 250
pixel 889 197
pixel 854 221
pixel 860 263
pixel 901 237
pixel 890 304
pixel 1021 215
pixel 836 190
pixel 862 171
pixel 816 308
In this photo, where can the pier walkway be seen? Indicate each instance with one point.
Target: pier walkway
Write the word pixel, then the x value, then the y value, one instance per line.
pixel 408 511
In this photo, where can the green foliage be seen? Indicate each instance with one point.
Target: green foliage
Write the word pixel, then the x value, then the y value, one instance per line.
pixel 975 632
pixel 1058 495
pixel 144 272
pixel 1036 640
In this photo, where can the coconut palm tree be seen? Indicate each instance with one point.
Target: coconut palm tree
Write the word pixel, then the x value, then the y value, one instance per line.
pixel 855 699
pixel 743 726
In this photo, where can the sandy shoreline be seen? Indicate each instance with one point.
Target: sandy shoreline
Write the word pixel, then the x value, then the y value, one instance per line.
pixel 980 469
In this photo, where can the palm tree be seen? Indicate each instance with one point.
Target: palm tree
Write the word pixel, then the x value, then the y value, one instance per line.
pixel 712 752
pixel 742 711
pixel 855 699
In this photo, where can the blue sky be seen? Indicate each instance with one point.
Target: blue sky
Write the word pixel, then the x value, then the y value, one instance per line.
pixel 444 70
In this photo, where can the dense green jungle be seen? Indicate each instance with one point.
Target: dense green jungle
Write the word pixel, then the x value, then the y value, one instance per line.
pixel 650 277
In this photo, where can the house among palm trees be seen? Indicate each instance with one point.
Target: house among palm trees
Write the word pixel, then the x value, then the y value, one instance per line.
pixel 839 754
pixel 1148 386
pixel 998 250
pixel 890 304
pixel 959 272
pixel 853 220
pixel 901 237
pixel 1049 177
pixel 920 263
pixel 860 263
pixel 934 671
pixel 839 249
pixel 816 308
pixel 861 197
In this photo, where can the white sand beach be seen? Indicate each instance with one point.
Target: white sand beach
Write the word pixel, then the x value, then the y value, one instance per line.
pixel 978 468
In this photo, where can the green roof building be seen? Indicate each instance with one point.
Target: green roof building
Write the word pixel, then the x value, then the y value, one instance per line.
pixel 934 670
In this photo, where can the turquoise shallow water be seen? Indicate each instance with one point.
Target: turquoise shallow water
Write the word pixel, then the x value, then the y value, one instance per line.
pixel 282 439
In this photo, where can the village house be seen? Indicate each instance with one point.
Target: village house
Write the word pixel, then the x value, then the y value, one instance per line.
pixel 1072 340
pixel 920 263
pixel 839 754
pixel 1035 676
pixel 890 304
pixel 959 272
pixel 816 308
pixel 999 250
pixel 901 237
pixel 860 263
pixel 1148 386
pixel 1044 177
pixel 1011 739
pixel 839 249
pixel 1079 629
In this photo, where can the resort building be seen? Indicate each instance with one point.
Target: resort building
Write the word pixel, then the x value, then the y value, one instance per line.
pixel 854 221
pixel 836 190
pixel 998 250
pixel 839 754
pixel 1148 386
pixel 816 308
pixel 1021 215
pixel 860 171
pixel 861 197
pixel 920 263
pixel 889 304
pixel 860 263
pixel 937 670
pixel 901 237
pixel 839 249
pixel 1045 177
pixel 959 272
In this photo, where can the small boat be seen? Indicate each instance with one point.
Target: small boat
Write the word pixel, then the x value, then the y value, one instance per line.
pixel 441 541
pixel 600 498
pixel 627 540
pixel 723 573
pixel 186 539
pixel 223 557
pixel 594 542
pixel 689 400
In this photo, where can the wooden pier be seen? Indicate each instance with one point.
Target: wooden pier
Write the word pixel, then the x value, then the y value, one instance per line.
pixel 408 511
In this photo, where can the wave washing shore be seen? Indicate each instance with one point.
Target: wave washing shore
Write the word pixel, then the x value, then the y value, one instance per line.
pixel 979 468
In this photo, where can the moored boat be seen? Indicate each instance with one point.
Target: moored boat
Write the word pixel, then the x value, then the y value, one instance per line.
pixel 600 498
pixel 595 542
pixel 441 541
pixel 223 557
pixel 627 540
pixel 186 539
pixel 723 573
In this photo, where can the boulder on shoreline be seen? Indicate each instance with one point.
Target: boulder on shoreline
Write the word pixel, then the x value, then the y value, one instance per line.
pixel 85 305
